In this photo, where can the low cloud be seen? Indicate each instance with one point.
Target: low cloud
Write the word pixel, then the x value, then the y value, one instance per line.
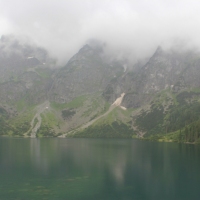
pixel 128 28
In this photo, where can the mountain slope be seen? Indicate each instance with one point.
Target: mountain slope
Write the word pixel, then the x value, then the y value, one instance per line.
pixel 159 100
pixel 86 72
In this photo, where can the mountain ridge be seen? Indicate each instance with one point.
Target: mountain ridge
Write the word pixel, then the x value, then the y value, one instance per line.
pixel 160 98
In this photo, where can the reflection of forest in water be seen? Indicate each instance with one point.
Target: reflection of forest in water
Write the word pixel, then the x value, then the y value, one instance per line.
pixel 121 167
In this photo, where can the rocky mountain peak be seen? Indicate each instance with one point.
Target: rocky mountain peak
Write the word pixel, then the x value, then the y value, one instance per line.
pixel 85 48
pixel 158 51
pixel 158 56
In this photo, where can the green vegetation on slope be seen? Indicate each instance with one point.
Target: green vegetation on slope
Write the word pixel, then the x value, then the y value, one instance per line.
pixel 115 124
pixel 75 103
pixel 43 72
pixel 179 123
pixel 151 122
pixel 114 130
pixel 16 127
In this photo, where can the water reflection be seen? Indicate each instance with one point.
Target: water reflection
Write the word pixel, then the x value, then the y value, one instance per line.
pixel 100 169
pixel 39 161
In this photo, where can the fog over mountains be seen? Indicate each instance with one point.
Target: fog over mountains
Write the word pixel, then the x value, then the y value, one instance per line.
pixel 128 28
pixel 100 69
pixel 98 95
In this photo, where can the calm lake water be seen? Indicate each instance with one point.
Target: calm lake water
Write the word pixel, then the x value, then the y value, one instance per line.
pixel 98 169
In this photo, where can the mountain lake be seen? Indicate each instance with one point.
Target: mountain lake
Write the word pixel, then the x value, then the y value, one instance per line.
pixel 98 169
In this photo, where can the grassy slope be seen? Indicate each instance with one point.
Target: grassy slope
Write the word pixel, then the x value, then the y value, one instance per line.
pixel 173 118
pixel 18 124
pixel 114 125
pixel 62 118
pixel 170 117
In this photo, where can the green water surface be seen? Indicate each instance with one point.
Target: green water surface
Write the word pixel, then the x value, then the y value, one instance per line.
pixel 98 169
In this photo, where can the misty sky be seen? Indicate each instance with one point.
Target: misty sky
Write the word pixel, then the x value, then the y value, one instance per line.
pixel 134 27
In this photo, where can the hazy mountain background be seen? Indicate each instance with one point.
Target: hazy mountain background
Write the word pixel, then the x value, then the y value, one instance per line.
pixel 97 95
pixel 100 69
pixel 128 28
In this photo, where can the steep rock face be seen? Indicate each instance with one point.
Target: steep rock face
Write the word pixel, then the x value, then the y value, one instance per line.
pixel 12 91
pixel 166 68
pixel 130 84
pixel 29 86
pixel 37 87
pixel 171 70
pixel 17 57
pixel 24 71
pixel 85 73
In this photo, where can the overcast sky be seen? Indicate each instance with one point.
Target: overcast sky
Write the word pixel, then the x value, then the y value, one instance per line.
pixel 136 26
